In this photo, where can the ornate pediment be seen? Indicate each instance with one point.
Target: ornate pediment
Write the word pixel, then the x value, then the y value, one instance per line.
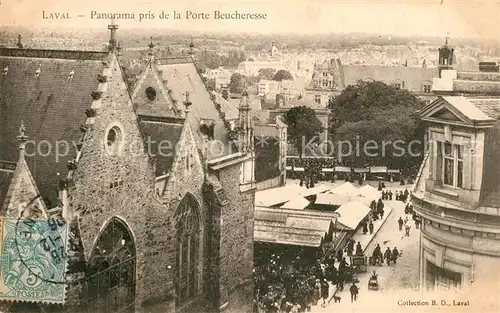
pixel 445 114
pixel 455 110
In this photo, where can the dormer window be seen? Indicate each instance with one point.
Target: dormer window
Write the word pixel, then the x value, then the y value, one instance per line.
pixel 151 93
pixel 427 88
pixel 207 127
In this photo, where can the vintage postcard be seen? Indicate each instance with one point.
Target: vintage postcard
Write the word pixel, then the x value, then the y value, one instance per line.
pixel 246 156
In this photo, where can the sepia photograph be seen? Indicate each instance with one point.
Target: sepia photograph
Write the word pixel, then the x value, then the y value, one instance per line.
pixel 249 156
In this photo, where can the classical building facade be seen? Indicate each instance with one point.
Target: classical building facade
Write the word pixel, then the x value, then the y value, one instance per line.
pixel 156 185
pixel 457 194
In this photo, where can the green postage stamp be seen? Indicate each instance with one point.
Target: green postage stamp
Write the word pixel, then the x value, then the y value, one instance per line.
pixel 34 260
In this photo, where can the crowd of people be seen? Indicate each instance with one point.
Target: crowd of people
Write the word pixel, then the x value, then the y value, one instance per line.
pixel 295 285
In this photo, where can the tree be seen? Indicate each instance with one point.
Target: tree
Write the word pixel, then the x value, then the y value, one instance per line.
pixel 303 127
pixel 266 73
pixel 378 113
pixel 237 83
pixel 282 75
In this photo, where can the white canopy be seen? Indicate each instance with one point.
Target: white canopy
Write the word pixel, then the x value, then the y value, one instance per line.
pixel 297 203
pixel 346 189
pixel 369 192
pixel 331 199
pixel 352 213
pixel 274 196
pixel 315 190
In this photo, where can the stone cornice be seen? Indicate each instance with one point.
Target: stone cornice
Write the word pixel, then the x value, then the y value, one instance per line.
pixel 450 221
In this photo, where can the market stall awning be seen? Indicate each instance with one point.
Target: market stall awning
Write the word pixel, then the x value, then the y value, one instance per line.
pixel 352 213
pixel 369 192
pixel 378 169
pixel 291 227
pixel 346 189
pixel 361 170
pixel 274 196
pixel 288 238
pixel 331 199
pixel 315 190
pixel 297 203
pixel 342 169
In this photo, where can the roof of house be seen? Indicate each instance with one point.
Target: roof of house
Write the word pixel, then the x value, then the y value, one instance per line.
pixel 485 87
pixel 296 102
pixel 5 179
pixel 467 108
pixel 162 138
pixel 181 75
pixel 490 107
pixel 413 77
pixel 51 104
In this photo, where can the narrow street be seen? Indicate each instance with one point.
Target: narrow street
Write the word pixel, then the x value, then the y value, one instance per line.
pixel 394 281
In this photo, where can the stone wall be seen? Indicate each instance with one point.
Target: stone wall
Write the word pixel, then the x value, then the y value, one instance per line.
pixel 105 186
pixel 236 246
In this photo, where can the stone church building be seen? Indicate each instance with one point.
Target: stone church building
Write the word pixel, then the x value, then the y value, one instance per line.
pixel 156 186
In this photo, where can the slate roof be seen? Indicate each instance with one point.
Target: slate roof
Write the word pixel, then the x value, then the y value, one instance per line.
pixel 5 179
pixel 181 75
pixel 413 77
pixel 476 87
pixel 51 105
pixel 490 107
pixel 295 102
pixel 168 135
pixel 479 76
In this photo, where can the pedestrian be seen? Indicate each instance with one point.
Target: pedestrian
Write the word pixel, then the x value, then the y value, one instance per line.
pixel 395 255
pixel 340 255
pixel 407 230
pixel 325 291
pixel 317 292
pixel 388 256
pixel 354 292
pixel 400 223
pixel 365 228
pixel 390 195
pixel 301 183
pixel 370 226
pixel 359 250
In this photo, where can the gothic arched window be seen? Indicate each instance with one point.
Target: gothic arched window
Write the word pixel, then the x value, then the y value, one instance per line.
pixel 187 224
pixel 111 270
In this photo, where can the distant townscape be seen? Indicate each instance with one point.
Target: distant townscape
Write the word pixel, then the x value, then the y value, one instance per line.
pixel 145 172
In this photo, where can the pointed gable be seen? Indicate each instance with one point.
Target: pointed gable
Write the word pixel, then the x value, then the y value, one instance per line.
pixel 151 96
pixel 23 197
pixel 187 167
pixel 455 110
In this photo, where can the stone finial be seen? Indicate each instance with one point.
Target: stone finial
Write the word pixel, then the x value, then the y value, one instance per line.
pixel 151 44
pixel 191 47
pixel 187 103
pixel 112 40
pixel 22 139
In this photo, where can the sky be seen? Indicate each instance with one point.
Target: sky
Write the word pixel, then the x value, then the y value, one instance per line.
pixel 459 18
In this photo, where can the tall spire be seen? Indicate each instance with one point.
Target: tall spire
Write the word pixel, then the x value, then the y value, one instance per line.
pixel 22 139
pixel 112 39
pixel 447 38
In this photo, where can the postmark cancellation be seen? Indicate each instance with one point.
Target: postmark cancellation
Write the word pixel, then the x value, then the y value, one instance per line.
pixel 33 258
